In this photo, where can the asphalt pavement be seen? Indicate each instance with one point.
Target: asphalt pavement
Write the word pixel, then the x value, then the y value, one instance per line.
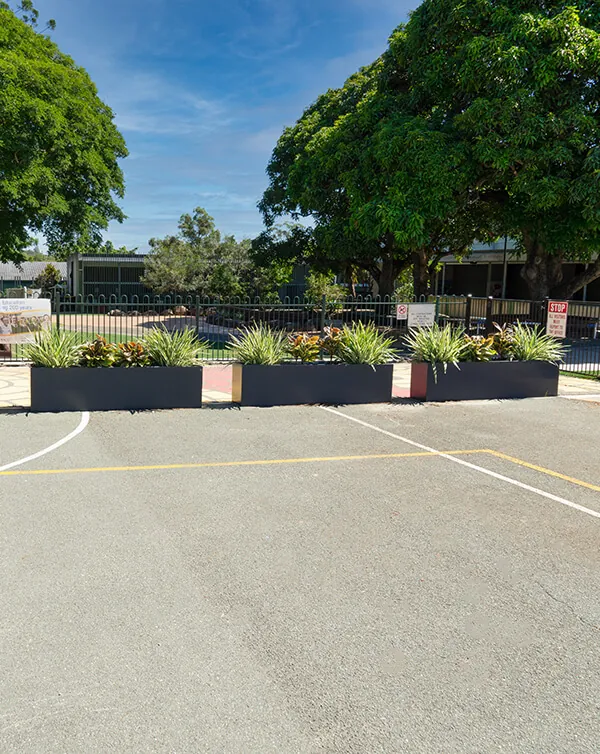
pixel 294 580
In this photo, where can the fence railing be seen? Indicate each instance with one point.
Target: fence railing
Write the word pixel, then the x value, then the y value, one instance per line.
pixel 124 318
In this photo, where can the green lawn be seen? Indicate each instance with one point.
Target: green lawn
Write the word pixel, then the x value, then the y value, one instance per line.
pixel 214 353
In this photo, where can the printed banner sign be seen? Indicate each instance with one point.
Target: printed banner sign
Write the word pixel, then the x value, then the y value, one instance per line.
pixel 21 318
pixel 421 315
pixel 558 311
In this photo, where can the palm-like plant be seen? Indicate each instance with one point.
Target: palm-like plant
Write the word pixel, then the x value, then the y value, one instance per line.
pixel 53 348
pixel 259 344
pixel 437 345
pixel 532 344
pixel 365 344
pixel 180 348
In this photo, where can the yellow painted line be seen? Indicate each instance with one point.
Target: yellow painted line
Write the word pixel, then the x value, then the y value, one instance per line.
pixel 221 464
pixel 287 461
pixel 542 470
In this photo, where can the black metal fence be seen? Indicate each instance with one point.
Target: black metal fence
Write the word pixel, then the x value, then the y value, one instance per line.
pixel 124 318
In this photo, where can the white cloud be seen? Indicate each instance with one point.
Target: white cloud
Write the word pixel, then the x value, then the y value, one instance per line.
pixel 262 142
pixel 150 104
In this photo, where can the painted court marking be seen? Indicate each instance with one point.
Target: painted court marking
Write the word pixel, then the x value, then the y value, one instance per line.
pixel 220 464
pixel 85 418
pixel 424 451
pixel 543 470
pixel 480 469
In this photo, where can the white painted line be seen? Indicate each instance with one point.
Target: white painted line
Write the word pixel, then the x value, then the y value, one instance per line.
pixel 85 418
pixel 481 469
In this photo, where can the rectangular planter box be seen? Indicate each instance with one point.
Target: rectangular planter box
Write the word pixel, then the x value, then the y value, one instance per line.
pixel 115 388
pixel 297 384
pixel 488 380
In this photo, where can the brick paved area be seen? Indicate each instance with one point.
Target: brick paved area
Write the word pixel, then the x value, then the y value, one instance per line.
pixel 14 385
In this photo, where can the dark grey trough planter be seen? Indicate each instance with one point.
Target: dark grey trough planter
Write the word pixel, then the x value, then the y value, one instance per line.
pixel 297 384
pixel 115 388
pixel 488 380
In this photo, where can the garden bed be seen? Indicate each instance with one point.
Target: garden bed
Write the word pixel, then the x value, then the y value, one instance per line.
pixel 115 388
pixel 297 384
pixel 483 380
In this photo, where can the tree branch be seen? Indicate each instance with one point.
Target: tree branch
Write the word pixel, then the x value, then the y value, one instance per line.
pixel 574 284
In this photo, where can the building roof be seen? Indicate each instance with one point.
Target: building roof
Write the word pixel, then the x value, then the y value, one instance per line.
pixel 111 258
pixel 28 270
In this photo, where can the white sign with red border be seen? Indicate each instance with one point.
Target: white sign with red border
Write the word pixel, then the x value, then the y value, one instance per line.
pixel 402 311
pixel 558 311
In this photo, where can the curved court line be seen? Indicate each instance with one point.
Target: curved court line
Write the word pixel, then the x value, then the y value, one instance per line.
pixel 481 469
pixel 85 418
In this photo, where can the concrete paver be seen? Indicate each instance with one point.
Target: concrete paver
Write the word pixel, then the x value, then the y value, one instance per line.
pixel 14 385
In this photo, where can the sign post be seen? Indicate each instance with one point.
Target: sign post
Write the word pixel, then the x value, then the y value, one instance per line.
pixel 556 324
pixel 421 315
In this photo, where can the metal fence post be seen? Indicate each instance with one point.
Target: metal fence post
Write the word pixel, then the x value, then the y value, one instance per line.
pixel 468 305
pixel 323 313
pixel 489 325
pixel 57 307
pixel 197 315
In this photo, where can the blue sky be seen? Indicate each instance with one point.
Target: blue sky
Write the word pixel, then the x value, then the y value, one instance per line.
pixel 202 89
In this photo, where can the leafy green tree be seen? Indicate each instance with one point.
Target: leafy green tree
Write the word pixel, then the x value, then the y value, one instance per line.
pixel 319 284
pixel 405 290
pixel 35 255
pixel 47 280
pixel 303 183
pixel 59 147
pixel 384 190
pixel 480 120
pixel 265 281
pixel 199 260
pixel 513 86
pixel 27 13
pixel 290 242
pixel 109 249
pixel 90 245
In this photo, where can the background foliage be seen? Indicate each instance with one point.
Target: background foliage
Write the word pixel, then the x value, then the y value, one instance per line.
pixel 59 147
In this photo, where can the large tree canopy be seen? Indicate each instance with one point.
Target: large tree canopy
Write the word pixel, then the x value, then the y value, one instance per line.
pixel 199 260
pixel 91 245
pixel 481 119
pixel 303 183
pixel 516 84
pixel 384 188
pixel 59 147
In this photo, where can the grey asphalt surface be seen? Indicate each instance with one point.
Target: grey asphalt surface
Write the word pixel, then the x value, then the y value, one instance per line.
pixel 375 605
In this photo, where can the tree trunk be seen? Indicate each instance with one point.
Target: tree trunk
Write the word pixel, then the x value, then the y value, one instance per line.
pixel 542 271
pixel 387 277
pixel 385 272
pixel 421 279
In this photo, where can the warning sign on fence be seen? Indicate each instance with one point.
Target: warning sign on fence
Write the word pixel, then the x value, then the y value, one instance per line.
pixel 421 315
pixel 558 311
pixel 402 311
